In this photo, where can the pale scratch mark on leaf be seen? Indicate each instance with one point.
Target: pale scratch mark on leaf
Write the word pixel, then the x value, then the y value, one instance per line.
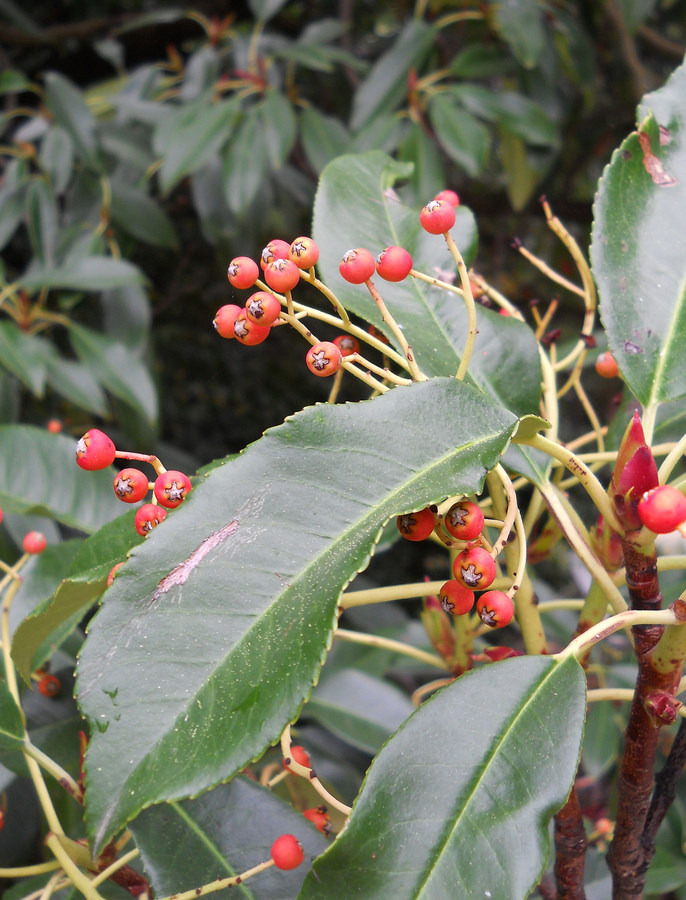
pixel 652 164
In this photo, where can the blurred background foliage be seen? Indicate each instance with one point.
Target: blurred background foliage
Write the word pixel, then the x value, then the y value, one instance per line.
pixel 142 147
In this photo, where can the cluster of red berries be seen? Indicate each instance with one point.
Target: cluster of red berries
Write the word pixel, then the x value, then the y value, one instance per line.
pixel 95 450
pixel 474 568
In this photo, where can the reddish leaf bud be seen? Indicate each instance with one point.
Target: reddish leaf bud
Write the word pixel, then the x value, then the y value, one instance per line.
pixel 635 473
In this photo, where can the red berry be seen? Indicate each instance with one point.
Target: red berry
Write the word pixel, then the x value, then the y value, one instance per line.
pixel 247 332
pixel 417 526
pixel 379 335
pixel 606 365
pixel 394 263
pixel 113 572
pixel 276 249
pixel 495 608
pixel 319 818
pixel 347 344
pixel 437 217
pixel 287 852
pixel 242 272
pixel 464 520
pixel 324 359
pixel 54 426
pixel 95 450
pixel 282 275
pixel 449 196
pixel 171 488
pixel 300 755
pixel 262 308
pixel 474 568
pixel 131 485
pixel 357 266
pixel 148 517
pixel 663 509
pixel 49 685
pixel 34 542
pixel 455 598
pixel 304 252
pixel 225 319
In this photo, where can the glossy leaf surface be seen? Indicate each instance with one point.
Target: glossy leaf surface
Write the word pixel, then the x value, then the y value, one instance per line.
pixel 433 320
pixel 639 248
pixel 214 632
pixel 223 833
pixel 458 801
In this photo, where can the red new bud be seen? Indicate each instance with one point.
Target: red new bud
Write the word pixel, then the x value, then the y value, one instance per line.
pixel 663 708
pixel 635 473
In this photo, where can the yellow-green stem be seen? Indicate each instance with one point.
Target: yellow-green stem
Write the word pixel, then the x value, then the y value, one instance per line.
pixel 468 298
pixel 373 640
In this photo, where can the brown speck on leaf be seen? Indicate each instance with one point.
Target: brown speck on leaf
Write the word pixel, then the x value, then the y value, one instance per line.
pixel 624 246
pixel 665 136
pixel 632 349
pixel 652 164
pixel 626 155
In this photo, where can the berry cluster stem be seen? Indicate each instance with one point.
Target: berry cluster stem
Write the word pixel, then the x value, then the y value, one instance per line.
pixel 415 371
pixel 470 305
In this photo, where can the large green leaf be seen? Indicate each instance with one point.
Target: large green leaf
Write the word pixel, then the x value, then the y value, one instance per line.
pixel 139 215
pixel 39 476
pixel 462 136
pixel 458 802
pixel 245 162
pixel 23 355
pixel 90 273
pixel 639 248
pixel 42 220
pixel 223 833
pixel 11 723
pixel 520 24
pixel 69 110
pixel 505 359
pixel 214 632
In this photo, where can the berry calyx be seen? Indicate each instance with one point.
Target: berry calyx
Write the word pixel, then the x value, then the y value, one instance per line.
pixel 455 598
pixel 131 485
pixel 247 332
pixel 606 365
pixel 347 344
pixel 663 509
pixel 320 818
pixel 282 275
pixel 323 358
pixel 242 272
pixel 148 517
pixel 300 755
pixel 437 217
pixel 49 685
pixel 34 542
pixel 464 520
pixel 495 609
pixel 357 266
pixel 276 249
pixel 417 526
pixel 449 196
pixel 474 568
pixel 304 252
pixel 171 488
pixel 262 308
pixel 225 319
pixel 95 450
pixel 287 852
pixel 394 263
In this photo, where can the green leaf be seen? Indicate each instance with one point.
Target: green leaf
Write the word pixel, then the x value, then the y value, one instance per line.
pixel 638 248
pixel 11 211
pixel 386 84
pixel 434 320
pixel 428 169
pixel 69 110
pixel 323 137
pixel 359 708
pixel 469 784
pixel 24 356
pixel 224 832
pixel 245 162
pixel 215 630
pixel 90 273
pixel 263 10
pixel 520 23
pixel 119 369
pixel 278 127
pixel 39 476
pixel 12 81
pixel 481 61
pixel 73 381
pixel 522 178
pixel 201 73
pixel 86 579
pixel 57 157
pixel 41 213
pixel 11 724
pixel 138 214
pixel 635 12
pixel 463 137
pixel 190 137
